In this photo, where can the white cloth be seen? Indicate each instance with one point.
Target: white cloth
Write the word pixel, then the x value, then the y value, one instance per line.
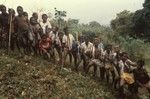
pixel 101 47
pixel 88 48
pixel 122 65
pixel 55 38
pixel 68 40
pixel 44 25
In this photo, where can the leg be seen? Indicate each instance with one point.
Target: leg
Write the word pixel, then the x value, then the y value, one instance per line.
pixel 59 50
pixel 74 54
pixel 107 75
pixel 121 89
pixel 89 66
pixel 113 76
pixel 70 57
pixel 64 57
pixel 84 64
pixel 102 73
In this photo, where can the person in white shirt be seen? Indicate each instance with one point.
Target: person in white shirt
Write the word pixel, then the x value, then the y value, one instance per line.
pixel 101 45
pixel 56 43
pixel 67 42
pixel 96 61
pixel 87 52
pixel 45 24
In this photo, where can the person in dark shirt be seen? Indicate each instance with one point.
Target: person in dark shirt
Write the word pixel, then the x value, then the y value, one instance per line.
pixel 141 76
pixel 35 16
pixel 22 25
pixel 4 26
pixel 4 19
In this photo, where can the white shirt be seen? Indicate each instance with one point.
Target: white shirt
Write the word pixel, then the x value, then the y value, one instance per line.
pixel 68 40
pixel 122 65
pixel 88 48
pixel 44 25
pixel 101 46
pixel 54 37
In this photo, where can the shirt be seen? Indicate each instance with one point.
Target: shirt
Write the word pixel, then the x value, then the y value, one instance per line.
pixel 55 38
pixel 125 66
pixel 88 48
pixel 22 23
pixel 101 46
pixel 68 41
pixel 45 26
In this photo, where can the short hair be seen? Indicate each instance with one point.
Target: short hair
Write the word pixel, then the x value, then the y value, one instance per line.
pixel 25 13
pixel 56 27
pixel 11 10
pixel 141 62
pixel 20 7
pixel 2 6
pixel 34 13
pixel 31 18
pixel 44 15
pixel 125 53
pixel 66 28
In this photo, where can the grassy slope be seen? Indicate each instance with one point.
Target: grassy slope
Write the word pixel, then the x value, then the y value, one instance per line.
pixel 22 78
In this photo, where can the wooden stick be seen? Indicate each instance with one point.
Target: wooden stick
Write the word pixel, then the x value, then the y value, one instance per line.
pixel 9 41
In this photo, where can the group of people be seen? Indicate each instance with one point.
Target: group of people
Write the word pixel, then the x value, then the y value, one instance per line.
pixel 41 38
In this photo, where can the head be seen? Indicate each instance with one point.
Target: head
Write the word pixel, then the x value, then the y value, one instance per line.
pixel 117 48
pixel 44 18
pixel 109 47
pixel 11 11
pixel 20 10
pixel 32 21
pixel 25 14
pixel 35 15
pixel 66 31
pixel 124 56
pixel 96 41
pixel 55 29
pixel 44 37
pixel 86 40
pixel 3 9
pixel 140 64
pixel 60 34
pixel 100 39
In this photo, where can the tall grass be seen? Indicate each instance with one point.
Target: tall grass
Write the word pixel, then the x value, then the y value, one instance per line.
pixel 137 49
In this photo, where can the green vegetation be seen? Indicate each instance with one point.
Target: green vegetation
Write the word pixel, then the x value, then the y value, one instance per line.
pixel 33 77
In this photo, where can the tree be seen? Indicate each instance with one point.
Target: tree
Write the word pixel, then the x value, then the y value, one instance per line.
pixel 59 16
pixel 94 24
pixel 141 21
pixel 122 24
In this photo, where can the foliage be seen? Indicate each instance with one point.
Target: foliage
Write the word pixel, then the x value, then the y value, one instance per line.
pixel 123 23
pixel 136 24
pixel 33 77
pixel 141 21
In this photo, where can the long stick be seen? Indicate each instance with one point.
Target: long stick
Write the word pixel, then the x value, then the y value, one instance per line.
pixel 9 41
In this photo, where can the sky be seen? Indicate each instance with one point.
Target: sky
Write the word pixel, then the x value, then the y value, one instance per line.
pixel 102 11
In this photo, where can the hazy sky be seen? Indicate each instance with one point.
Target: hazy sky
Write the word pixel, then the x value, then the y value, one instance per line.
pixel 84 10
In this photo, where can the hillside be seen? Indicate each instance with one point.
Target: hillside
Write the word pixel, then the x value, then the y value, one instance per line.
pixel 33 77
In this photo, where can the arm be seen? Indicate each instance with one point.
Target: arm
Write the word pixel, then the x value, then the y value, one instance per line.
pixel 129 62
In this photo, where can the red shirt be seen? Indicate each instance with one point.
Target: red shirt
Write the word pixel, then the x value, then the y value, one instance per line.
pixel 45 44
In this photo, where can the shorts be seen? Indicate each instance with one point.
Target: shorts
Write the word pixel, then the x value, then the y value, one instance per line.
pixel 128 77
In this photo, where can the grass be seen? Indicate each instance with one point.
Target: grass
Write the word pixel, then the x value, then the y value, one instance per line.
pixel 35 78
